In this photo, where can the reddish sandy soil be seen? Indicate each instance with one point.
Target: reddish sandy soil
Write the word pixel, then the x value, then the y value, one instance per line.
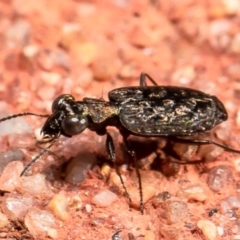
pixel 87 48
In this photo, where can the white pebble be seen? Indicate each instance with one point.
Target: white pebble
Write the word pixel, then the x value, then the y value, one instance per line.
pixel 16 206
pixel 104 198
pixel 39 221
pixel 10 176
pixel 35 185
pixel 220 231
pixel 88 208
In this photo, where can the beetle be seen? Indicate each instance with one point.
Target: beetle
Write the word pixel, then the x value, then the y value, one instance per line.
pixel 147 111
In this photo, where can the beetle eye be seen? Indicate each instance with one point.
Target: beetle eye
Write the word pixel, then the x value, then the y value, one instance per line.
pixel 74 124
pixel 60 100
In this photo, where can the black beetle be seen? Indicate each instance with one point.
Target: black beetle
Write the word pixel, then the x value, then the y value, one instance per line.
pixel 148 111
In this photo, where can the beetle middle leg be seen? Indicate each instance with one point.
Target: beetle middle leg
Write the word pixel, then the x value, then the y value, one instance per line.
pixel 203 142
pixel 111 153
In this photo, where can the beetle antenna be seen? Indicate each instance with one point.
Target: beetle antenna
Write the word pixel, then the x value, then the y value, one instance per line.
pixel 45 150
pixel 22 114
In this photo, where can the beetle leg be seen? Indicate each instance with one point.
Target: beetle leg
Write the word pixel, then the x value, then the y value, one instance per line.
pixel 111 153
pixel 203 142
pixel 143 82
pixel 133 155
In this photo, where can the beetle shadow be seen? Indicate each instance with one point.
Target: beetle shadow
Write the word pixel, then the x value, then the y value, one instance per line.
pixel 158 154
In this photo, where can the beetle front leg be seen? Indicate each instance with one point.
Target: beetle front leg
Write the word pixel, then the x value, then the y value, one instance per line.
pixel 133 155
pixel 112 155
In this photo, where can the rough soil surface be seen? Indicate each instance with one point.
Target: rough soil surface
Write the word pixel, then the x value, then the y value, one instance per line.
pixel 87 48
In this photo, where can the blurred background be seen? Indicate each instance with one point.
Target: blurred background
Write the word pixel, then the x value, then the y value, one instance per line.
pixel 90 47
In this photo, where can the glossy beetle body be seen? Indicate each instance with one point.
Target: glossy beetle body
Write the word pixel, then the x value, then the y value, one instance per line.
pixel 143 111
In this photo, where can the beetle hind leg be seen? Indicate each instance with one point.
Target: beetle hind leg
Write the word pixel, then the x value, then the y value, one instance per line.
pixel 203 142
pixel 143 82
pixel 133 155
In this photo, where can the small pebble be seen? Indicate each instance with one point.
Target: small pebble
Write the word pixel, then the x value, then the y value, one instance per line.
pixel 142 35
pixel 71 145
pixel 220 231
pixel 50 59
pixel 75 202
pixel 39 221
pixel 84 52
pixel 47 92
pixel 16 206
pixel 208 229
pixel 104 198
pixel 149 235
pixel 3 221
pixel 10 177
pixel 88 208
pixel 186 152
pixel 98 221
pixel 227 210
pixel 14 126
pixel 35 185
pixel 219 34
pixel 235 44
pixel 51 79
pixel 195 192
pixel 148 193
pixel 171 233
pixel 184 76
pixel 174 211
pixel 236 163
pixel 59 205
pixel 105 68
pixel 219 177
pixel 209 152
pixel 18 33
pixel 161 197
pixel 21 140
pixel 78 167
pixel 233 71
pixel 30 51
pixel 232 7
pixel 232 202
pixel 52 233
pixel 169 167
pixel 115 180
pixel 105 170
pixel 14 154
pixel 131 236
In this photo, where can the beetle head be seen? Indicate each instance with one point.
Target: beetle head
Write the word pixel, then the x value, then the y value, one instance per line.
pixel 67 118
